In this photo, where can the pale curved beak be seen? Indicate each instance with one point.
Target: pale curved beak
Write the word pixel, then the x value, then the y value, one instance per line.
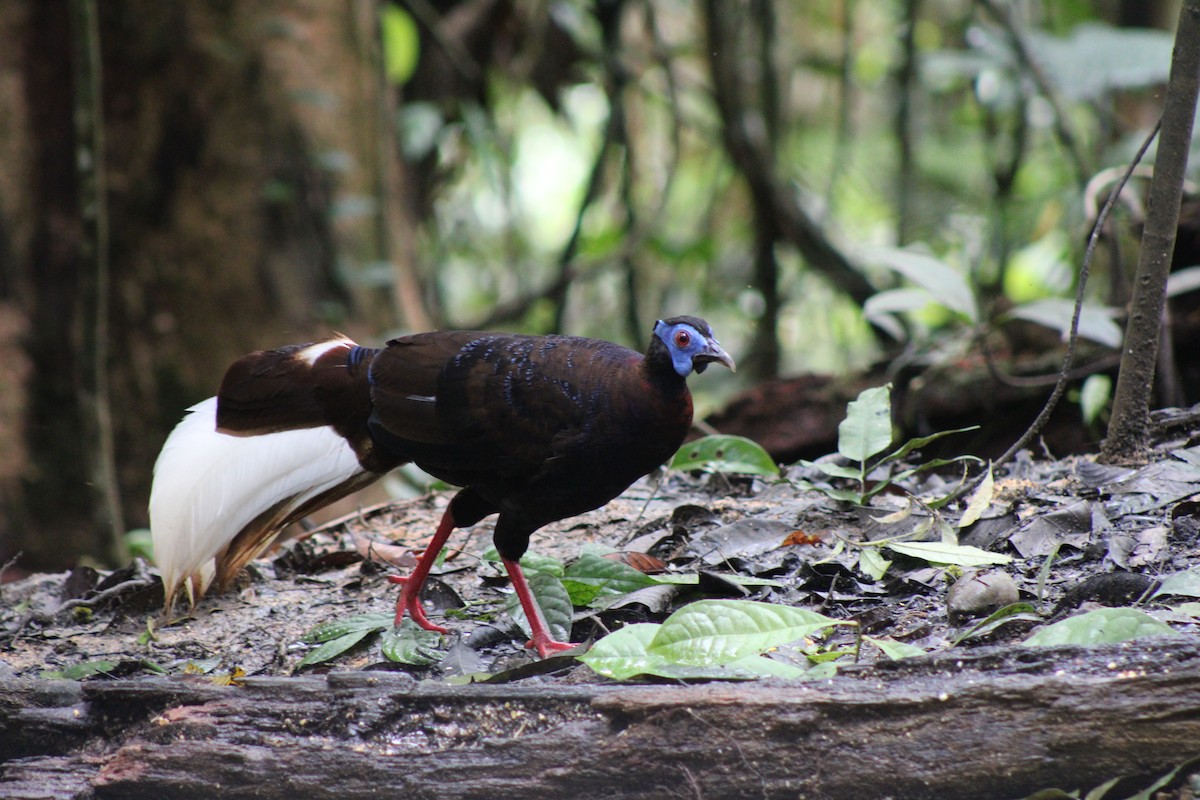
pixel 712 353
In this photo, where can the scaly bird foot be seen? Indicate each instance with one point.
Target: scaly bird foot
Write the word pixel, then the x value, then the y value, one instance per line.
pixel 410 601
pixel 546 646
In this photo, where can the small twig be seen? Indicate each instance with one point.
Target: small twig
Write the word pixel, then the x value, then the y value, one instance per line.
pixel 6 567
pixel 1026 381
pixel 141 579
pixel 461 60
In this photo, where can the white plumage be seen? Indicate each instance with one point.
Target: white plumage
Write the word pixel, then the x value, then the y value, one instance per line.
pixel 208 486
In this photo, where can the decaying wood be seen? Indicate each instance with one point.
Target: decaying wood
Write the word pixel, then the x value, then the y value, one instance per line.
pixel 991 723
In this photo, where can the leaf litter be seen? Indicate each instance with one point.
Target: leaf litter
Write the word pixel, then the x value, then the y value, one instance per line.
pixel 1074 538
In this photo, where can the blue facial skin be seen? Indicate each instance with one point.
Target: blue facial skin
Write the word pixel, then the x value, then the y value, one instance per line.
pixel 681 352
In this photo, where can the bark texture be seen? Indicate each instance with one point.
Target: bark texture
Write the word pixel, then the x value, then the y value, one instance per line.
pixel 983 724
pixel 229 142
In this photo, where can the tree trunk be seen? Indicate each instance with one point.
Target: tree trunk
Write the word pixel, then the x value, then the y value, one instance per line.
pixel 1129 428
pixel 232 140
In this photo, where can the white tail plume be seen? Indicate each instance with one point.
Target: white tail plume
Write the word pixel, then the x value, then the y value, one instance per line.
pixel 209 487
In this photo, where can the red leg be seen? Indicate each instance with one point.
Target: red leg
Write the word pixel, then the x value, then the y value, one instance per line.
pixel 542 641
pixel 410 595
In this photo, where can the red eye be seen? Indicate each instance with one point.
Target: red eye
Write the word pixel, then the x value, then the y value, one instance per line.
pixel 682 338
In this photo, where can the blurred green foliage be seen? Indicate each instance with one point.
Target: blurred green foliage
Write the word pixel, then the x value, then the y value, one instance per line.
pixel 612 177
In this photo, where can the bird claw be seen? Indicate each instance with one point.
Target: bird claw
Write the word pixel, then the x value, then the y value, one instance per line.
pixel 410 602
pixel 546 647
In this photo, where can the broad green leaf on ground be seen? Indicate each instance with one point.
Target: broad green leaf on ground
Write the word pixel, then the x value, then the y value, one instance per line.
pixel 867 428
pixel 592 577
pixel 1188 609
pixel 625 654
pixel 895 650
pixel 721 453
pixel 720 631
pixel 872 562
pixel 1184 584
pixel 411 644
pixel 531 561
pixel 84 669
pixel 332 648
pixel 343 627
pixel 945 553
pixel 552 598
pixel 1104 625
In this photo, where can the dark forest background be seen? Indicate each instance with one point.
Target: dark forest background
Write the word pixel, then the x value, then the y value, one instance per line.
pixel 182 182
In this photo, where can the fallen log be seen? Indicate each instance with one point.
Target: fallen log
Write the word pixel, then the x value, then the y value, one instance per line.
pixel 987 723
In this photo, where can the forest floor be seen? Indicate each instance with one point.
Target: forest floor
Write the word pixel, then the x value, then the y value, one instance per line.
pixel 1075 535
pixel 1079 534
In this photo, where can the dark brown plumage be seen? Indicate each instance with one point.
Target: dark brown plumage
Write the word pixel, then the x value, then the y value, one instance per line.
pixel 535 428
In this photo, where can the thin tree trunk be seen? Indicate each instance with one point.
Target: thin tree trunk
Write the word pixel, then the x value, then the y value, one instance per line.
pixel 1129 427
pixel 99 452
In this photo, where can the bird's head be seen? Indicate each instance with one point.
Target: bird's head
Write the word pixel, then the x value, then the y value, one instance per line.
pixel 690 344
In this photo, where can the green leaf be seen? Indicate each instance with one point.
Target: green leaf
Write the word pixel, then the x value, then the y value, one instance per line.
pixel 625 654
pixel 84 669
pixel 980 500
pixel 1184 584
pixel 1182 281
pixel 892 301
pixel 411 644
pixel 763 667
pixel 945 284
pixel 921 441
pixel 1001 616
pixel 333 648
pixel 1104 625
pixel 1190 609
pixel 1095 323
pixel 731 454
pixel 552 598
pixel 872 562
pixel 720 631
pixel 835 470
pixel 531 561
pixel 593 577
pixel 845 495
pixel 140 544
pixel 942 553
pixel 895 650
pixel 342 627
pixel 401 43
pixel 1094 396
pixel 867 428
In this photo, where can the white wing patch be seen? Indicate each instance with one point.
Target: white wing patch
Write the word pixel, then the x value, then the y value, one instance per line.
pixel 209 485
pixel 311 353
